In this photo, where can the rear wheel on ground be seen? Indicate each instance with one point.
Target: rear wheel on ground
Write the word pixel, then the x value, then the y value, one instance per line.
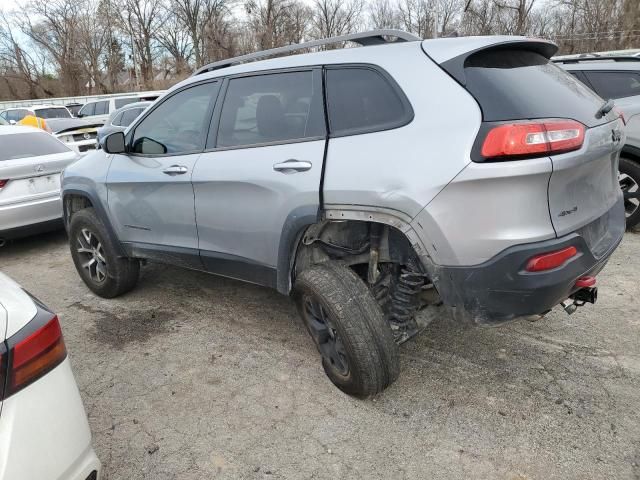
pixel 96 259
pixel 355 342
pixel 629 177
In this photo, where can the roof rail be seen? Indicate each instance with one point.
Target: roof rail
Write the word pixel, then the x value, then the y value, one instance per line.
pixel 372 37
pixel 595 59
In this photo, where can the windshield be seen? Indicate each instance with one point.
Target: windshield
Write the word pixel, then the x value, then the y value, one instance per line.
pixel 59 112
pixel 33 144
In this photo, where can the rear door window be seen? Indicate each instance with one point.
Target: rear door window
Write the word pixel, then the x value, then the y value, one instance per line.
pixel 511 84
pixel 268 108
pixel 615 84
pixel 26 145
pixel 363 99
pixel 128 116
pixel 121 102
pixel 17 115
pixel 102 108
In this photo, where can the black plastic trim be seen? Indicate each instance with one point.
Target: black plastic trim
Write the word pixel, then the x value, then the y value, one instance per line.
pixel 33 229
pixel 632 151
pixel 100 210
pixel 501 289
pixel 239 268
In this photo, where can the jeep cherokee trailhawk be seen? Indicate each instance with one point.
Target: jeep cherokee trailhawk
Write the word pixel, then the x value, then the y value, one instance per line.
pixel 364 182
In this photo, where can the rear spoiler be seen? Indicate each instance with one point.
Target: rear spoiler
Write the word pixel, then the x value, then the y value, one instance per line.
pixel 452 53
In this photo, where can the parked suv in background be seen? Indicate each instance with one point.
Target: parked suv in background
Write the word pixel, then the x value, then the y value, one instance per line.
pixel 618 78
pixel 100 110
pixel 119 120
pixel 363 181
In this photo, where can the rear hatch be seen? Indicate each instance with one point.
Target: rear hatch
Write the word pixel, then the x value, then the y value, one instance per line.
pixel 514 83
pixel 30 166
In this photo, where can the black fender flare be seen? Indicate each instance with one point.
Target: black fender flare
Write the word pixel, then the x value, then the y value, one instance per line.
pixel 630 151
pixel 99 209
pixel 294 226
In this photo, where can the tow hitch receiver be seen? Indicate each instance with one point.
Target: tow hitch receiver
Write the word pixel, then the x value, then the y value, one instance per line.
pixel 588 293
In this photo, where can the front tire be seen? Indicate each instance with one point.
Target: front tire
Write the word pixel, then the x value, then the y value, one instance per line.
pixel 629 177
pixel 355 342
pixel 103 270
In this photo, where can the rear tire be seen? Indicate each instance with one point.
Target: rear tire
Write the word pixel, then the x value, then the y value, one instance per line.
pixel 630 184
pixel 358 352
pixel 103 270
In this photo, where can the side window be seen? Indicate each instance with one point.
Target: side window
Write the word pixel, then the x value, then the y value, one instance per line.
pixel 121 102
pixel 129 116
pixel 117 119
pixel 17 115
pixel 102 108
pixel 88 109
pixel 615 84
pixel 273 107
pixel 361 99
pixel 179 124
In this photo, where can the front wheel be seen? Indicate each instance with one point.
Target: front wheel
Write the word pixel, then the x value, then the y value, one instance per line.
pixel 629 177
pixel 345 322
pixel 94 254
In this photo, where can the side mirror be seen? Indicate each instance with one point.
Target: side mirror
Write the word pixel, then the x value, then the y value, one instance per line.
pixel 114 143
pixel 12 122
pixel 79 115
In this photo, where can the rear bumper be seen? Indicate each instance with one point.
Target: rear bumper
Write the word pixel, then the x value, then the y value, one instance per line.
pixel 33 216
pixel 501 289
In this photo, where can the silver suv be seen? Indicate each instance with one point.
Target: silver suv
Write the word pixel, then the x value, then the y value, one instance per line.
pixel 367 183
pixel 617 78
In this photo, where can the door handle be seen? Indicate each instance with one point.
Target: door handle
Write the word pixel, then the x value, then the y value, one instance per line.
pixel 175 170
pixel 292 165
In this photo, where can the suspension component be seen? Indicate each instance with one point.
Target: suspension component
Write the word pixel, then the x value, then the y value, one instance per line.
pixel 404 302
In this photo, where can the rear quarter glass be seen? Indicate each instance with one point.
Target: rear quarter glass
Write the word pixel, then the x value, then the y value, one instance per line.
pixel 515 84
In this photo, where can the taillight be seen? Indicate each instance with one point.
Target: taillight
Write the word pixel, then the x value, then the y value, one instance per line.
pixel 3 183
pixel 33 352
pixel 551 260
pixel 526 139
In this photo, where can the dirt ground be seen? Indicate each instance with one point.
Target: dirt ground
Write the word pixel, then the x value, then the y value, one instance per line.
pixel 196 377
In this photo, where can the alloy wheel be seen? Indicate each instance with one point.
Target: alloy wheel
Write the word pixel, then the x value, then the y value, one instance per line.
pixel 91 254
pixel 631 192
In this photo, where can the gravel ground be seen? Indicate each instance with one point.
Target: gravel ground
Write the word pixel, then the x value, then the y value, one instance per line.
pixel 192 376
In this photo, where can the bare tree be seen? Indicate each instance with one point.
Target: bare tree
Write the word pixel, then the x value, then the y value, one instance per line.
pixel 141 20
pixel 384 14
pixel 332 18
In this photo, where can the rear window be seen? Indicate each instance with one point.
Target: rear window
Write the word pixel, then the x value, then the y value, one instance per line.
pixel 512 84
pixel 52 113
pixel 25 145
pixel 102 108
pixel 121 102
pixel 362 100
pixel 615 84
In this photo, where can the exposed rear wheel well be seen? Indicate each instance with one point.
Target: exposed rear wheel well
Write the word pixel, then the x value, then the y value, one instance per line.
pixel 382 256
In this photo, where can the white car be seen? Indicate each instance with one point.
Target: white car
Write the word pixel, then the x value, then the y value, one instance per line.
pixel 31 161
pixel 14 115
pixel 99 110
pixel 44 432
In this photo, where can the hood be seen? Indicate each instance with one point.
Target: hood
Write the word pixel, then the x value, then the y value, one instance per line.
pixel 61 125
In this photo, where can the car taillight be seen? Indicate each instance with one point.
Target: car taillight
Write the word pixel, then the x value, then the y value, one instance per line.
pixel 33 352
pixel 3 183
pixel 551 260
pixel 526 139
